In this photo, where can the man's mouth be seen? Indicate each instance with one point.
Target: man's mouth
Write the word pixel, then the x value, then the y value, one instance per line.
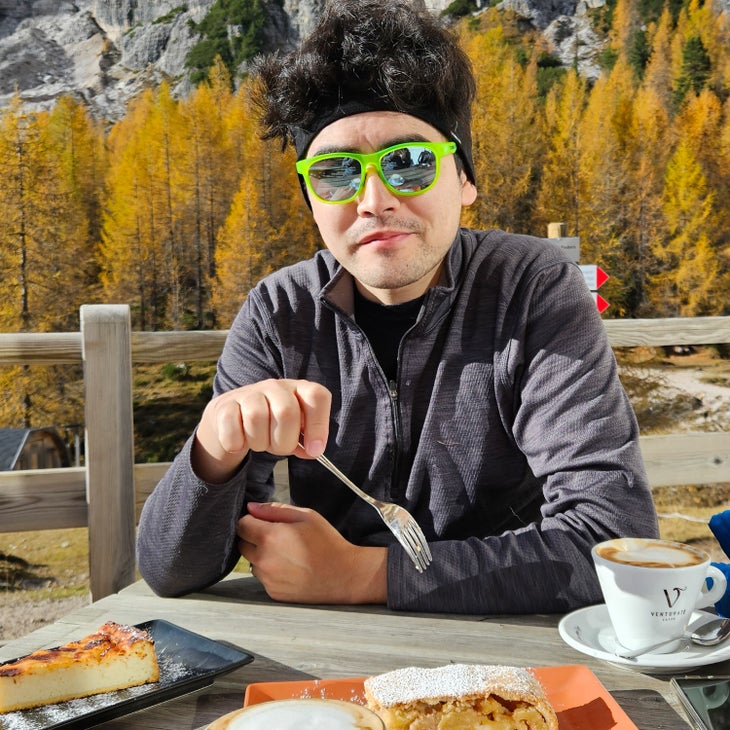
pixel 383 237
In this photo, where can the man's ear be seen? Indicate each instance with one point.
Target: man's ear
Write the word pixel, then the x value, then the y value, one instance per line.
pixel 468 191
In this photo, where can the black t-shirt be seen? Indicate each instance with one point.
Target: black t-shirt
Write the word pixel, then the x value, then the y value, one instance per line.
pixel 385 325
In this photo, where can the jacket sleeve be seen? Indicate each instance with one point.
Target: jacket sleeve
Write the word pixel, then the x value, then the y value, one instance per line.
pixel 186 539
pixel 560 398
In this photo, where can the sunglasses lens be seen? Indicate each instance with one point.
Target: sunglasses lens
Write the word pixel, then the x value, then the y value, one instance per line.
pixel 406 169
pixel 410 169
pixel 335 179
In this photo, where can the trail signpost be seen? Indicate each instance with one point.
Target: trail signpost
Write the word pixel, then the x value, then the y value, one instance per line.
pixel 595 277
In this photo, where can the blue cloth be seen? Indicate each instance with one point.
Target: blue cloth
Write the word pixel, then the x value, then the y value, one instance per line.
pixel 720 526
pixel 723 605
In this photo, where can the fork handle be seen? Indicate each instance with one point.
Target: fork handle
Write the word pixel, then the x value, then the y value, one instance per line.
pixel 344 479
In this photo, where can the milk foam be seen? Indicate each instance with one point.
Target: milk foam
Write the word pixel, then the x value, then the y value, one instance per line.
pixel 304 715
pixel 650 553
pixel 656 554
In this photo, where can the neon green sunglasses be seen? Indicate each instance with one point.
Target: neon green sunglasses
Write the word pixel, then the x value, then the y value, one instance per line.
pixel 411 168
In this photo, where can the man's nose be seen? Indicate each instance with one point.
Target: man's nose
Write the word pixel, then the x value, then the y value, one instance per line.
pixel 375 196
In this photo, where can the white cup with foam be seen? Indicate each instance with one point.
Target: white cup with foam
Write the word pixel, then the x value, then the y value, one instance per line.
pixel 301 714
pixel 651 588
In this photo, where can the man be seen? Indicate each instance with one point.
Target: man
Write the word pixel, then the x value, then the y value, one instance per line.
pixel 465 375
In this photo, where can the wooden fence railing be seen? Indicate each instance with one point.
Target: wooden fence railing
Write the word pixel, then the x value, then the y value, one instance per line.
pixel 107 493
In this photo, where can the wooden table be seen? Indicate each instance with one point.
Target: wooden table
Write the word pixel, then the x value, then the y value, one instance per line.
pixel 302 642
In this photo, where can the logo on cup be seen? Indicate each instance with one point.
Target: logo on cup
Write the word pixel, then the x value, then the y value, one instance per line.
pixel 673 595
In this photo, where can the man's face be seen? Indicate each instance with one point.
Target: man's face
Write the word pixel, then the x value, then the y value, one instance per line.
pixel 392 245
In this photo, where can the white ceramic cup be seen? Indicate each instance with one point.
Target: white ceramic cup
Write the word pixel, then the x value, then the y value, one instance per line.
pixel 300 714
pixel 651 587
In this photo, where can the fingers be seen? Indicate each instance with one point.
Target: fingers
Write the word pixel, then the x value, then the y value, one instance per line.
pixel 315 404
pixel 254 529
pixel 298 556
pixel 267 416
pixel 278 512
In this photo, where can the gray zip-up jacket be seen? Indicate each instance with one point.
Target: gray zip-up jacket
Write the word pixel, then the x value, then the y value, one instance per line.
pixel 506 433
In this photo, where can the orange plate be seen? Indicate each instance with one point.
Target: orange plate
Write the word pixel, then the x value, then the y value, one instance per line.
pixel 579 699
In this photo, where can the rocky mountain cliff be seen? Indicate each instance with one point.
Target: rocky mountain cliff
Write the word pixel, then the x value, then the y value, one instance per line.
pixel 106 50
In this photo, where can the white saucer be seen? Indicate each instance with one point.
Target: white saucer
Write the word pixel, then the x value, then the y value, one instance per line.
pixel 589 631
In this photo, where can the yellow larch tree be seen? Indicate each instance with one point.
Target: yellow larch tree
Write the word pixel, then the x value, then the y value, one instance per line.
pixel 130 253
pixel 45 252
pixel 506 135
pixel 658 76
pixel 689 283
pixel 650 147
pixel 268 226
pixel 700 123
pixel 605 183
pixel 624 25
pixel 210 179
pixel 558 197
pixel 166 133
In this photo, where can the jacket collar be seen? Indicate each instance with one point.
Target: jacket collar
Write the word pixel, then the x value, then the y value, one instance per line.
pixel 338 290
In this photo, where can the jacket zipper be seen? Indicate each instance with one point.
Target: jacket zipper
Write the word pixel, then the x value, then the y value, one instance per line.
pixel 395 410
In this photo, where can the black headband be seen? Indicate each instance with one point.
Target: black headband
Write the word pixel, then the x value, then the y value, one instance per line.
pixel 302 137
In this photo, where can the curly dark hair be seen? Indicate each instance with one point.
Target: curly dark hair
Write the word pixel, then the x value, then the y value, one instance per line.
pixel 387 54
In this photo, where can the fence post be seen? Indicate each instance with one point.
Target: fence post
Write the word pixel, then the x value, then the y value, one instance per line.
pixel 107 354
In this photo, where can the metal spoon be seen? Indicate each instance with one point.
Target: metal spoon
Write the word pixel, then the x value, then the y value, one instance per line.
pixel 709 634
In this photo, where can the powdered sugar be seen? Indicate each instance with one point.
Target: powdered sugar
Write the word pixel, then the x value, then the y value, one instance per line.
pixel 411 684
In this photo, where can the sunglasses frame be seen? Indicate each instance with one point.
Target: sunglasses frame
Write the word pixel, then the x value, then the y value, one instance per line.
pixel 374 159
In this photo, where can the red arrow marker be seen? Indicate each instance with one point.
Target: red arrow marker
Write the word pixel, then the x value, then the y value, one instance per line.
pixel 601 303
pixel 595 277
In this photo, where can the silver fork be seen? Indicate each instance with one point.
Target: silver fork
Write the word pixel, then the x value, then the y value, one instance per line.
pixel 398 519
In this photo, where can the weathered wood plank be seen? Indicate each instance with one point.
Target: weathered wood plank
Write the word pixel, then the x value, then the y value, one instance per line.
pixel 689 458
pixel 40 348
pixel 668 331
pixel 56 498
pixel 42 499
pixel 65 347
pixel 177 346
pixel 109 447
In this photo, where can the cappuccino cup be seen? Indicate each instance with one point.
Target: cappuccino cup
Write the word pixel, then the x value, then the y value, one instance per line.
pixel 300 714
pixel 651 587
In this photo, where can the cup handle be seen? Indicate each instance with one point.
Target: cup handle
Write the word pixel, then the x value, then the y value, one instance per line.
pixel 710 596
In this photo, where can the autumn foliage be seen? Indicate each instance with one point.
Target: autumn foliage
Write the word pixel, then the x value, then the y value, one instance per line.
pixel 179 208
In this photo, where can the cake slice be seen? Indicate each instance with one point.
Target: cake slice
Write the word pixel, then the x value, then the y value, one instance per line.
pixel 460 697
pixel 115 657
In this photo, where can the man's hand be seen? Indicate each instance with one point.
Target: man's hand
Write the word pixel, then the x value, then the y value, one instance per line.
pixel 265 416
pixel 299 557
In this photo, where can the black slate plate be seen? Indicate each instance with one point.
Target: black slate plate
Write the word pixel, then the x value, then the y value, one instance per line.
pixel 188 661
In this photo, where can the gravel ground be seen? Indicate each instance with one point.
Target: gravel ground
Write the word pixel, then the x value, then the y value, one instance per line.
pixel 19 616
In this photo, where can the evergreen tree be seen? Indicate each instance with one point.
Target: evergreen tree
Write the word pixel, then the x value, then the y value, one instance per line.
pixel 696 69
pixel 233 30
